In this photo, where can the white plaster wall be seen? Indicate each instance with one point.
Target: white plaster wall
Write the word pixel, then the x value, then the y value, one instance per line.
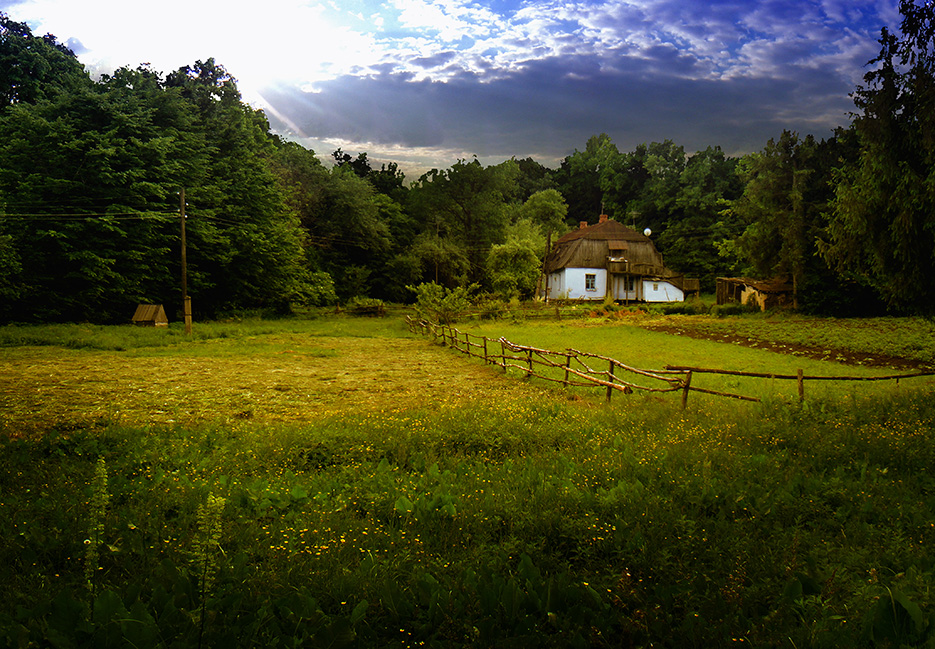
pixel 663 292
pixel 573 284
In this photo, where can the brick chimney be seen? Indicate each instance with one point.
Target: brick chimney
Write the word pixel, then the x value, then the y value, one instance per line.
pixel 582 225
pixel 602 218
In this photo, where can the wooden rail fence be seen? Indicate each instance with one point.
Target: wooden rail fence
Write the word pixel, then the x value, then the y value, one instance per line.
pixel 799 377
pixel 570 367
pixel 576 368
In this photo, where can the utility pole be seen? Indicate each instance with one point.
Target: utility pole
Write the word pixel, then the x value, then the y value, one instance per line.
pixel 186 301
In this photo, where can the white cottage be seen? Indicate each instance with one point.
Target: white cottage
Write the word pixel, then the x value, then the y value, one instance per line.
pixel 610 260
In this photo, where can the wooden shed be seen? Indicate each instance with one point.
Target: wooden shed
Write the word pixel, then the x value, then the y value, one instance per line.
pixel 766 294
pixel 150 315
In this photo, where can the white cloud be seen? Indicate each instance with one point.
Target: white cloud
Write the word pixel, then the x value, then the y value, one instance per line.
pixel 287 41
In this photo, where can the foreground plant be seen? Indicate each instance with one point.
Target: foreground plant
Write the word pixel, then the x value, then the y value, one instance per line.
pixel 207 548
pixel 96 514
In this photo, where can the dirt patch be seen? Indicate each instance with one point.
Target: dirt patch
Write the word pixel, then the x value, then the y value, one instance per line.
pixel 843 356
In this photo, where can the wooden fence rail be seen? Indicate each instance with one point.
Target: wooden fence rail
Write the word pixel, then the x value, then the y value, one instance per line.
pixel 578 369
pixel 570 367
pixel 799 377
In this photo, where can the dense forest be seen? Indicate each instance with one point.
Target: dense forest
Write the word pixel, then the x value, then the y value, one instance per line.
pixel 91 173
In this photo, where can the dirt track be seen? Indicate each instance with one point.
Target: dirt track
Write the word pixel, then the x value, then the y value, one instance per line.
pixel 819 353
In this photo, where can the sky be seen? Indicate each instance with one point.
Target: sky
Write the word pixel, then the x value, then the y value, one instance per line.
pixel 425 83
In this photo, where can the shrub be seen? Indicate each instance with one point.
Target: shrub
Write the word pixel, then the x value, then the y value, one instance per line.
pixel 684 308
pixel 440 304
pixel 733 308
pixel 492 309
pixel 366 306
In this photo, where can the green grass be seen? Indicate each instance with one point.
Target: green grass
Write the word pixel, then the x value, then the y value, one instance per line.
pixel 130 337
pixel 627 341
pixel 511 517
pixel 911 338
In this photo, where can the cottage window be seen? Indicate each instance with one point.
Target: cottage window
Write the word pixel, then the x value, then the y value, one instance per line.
pixel 590 282
pixel 655 286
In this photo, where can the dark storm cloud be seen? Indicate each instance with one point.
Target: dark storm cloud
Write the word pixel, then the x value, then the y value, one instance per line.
pixel 428 62
pixel 553 106
pixel 720 72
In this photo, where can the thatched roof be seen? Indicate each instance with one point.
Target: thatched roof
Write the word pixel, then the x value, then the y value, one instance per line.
pixel 591 246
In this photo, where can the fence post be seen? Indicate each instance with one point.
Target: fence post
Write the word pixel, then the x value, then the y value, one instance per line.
pixel 503 357
pixel 443 335
pixel 686 385
pixel 529 363
pixel 567 365
pixel 467 344
pixel 800 379
pixel 611 377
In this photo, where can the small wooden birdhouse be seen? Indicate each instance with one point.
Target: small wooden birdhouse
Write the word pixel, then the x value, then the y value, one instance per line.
pixel 150 315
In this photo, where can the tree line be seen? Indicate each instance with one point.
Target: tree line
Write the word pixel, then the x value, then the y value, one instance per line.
pixel 91 173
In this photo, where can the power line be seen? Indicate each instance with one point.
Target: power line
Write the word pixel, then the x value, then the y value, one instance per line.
pixel 120 216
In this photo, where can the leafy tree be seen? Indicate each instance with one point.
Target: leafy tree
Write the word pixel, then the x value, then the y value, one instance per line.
pixel 359 165
pixel 584 175
pixel 352 231
pixel 546 209
pixel 515 265
pixel 11 279
pixel 437 257
pixel 34 68
pixel 784 210
pixel 466 207
pixel 389 180
pixel 91 172
pixel 697 221
pixel 392 274
pixel 533 177
pixel 882 227
pixel 301 175
pixel 440 304
pixel 776 240
pixel 249 249
pixel 622 180
pixel 655 205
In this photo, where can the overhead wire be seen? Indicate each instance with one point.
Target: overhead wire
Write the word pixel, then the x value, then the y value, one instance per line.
pixel 192 218
pixel 120 216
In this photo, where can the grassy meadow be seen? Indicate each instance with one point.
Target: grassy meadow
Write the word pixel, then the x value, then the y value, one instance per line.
pixel 342 482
